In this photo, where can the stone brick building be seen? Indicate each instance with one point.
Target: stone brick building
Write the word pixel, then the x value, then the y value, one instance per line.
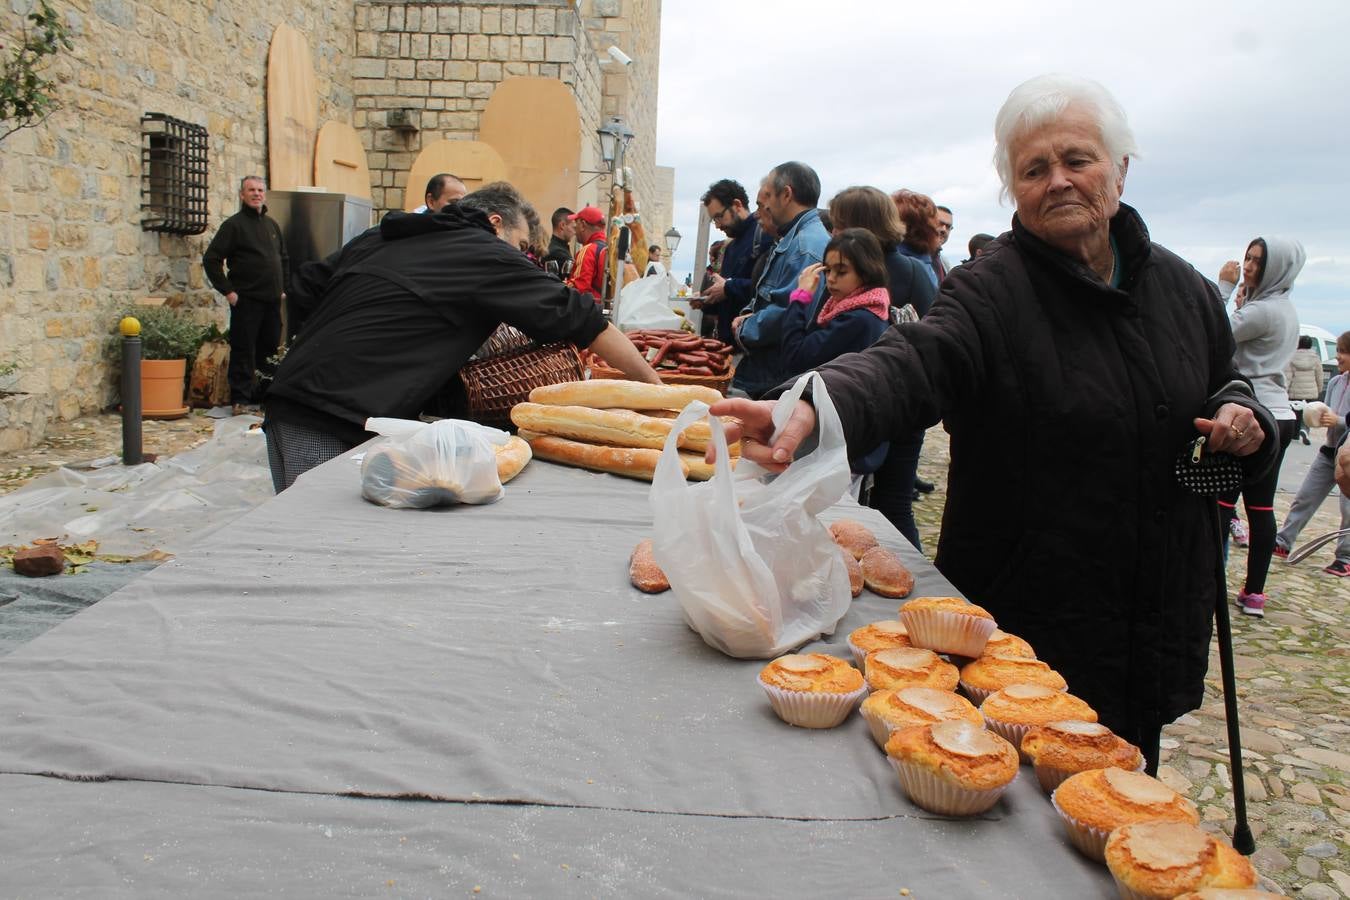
pixel 72 252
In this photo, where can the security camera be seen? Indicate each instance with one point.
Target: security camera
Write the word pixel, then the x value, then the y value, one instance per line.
pixel 619 56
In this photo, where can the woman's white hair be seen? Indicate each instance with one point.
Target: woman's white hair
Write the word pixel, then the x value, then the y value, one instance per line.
pixel 1043 99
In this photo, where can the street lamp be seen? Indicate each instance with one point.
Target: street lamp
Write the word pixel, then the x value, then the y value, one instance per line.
pixel 672 241
pixel 614 138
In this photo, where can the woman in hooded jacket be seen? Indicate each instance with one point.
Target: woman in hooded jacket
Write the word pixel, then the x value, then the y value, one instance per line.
pixel 1265 329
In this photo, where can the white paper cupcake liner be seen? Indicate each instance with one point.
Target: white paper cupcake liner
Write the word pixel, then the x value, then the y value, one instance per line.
pixel 1128 894
pixel 947 632
pixel 880 728
pixel 1051 777
pixel 1013 732
pixel 976 695
pixel 1091 842
pixel 859 655
pixel 812 709
pixel 932 793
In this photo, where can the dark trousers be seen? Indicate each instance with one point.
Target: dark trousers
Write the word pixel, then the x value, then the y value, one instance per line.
pixel 255 332
pixel 893 486
pixel 1259 498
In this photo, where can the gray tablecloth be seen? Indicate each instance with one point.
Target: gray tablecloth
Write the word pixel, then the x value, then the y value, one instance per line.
pixel 325 664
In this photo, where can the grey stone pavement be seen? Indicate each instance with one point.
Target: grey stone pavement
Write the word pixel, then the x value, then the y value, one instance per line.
pixel 1292 669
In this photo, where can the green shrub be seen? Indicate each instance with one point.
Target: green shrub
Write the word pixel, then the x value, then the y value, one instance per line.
pixel 167 333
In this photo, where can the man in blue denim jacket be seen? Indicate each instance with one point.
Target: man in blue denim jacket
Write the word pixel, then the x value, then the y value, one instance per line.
pixel 789 194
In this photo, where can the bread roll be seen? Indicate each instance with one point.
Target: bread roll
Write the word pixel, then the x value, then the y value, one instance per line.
pixel 608 394
pixel 643 571
pixel 855 537
pixel 855 572
pixel 627 461
pixel 884 574
pixel 511 458
pixel 617 427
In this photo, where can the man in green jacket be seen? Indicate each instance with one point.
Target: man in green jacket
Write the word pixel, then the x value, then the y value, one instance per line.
pixel 249 244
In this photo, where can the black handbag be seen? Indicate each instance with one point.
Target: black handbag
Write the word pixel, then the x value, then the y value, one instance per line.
pixel 1207 474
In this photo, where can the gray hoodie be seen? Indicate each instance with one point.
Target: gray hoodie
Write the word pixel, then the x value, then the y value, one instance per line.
pixel 1265 328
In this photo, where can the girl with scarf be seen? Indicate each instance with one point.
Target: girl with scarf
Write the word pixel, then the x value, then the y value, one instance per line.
pixel 854 314
pixel 1265 328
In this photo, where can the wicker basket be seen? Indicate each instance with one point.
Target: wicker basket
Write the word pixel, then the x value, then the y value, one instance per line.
pixel 719 383
pixel 498 382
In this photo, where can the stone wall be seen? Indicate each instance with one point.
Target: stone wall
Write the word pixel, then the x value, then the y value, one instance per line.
pixel 443 60
pixel 72 253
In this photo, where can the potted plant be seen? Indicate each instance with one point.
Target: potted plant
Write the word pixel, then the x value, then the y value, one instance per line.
pixel 169 339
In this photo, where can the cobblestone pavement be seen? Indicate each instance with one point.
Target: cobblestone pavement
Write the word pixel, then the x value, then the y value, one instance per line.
pixel 1292 670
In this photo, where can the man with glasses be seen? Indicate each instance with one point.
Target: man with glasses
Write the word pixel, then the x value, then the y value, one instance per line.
pixel 728 206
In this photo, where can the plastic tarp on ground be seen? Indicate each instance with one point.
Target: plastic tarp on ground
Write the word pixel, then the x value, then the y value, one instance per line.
pixel 335 698
pixel 166 505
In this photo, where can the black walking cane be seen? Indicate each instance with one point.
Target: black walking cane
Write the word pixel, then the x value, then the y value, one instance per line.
pixel 1243 842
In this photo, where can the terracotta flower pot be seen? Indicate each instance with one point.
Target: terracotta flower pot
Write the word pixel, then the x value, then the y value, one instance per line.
pixel 162 382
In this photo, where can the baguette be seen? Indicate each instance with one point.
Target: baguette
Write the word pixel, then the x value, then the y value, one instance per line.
pixel 616 427
pixel 643 571
pixel 700 470
pixel 609 394
pixel 885 574
pixel 511 458
pixel 627 461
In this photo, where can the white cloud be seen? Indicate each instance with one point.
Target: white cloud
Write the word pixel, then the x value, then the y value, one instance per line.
pixel 1241 110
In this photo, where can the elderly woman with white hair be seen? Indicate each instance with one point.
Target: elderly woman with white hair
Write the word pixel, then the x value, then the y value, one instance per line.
pixel 1073 363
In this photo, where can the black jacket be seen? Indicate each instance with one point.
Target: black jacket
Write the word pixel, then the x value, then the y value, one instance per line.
pixel 403 308
pixel 907 282
pixel 1068 402
pixel 250 243
pixel 560 252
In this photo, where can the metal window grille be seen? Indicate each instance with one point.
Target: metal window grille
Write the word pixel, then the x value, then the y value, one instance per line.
pixel 173 175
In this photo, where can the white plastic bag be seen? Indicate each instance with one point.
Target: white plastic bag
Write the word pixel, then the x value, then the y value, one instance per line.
pixel 645 303
pixel 436 464
pixel 754 569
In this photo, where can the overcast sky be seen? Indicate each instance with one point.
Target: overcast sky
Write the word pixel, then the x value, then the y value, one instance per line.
pixel 1241 111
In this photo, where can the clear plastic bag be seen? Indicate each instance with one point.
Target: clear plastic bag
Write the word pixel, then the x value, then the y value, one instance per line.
pixel 645 303
pixel 437 464
pixel 753 567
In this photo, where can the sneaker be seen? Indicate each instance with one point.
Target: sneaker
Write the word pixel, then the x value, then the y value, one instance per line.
pixel 1339 567
pixel 923 487
pixel 1252 604
pixel 1281 552
pixel 1239 532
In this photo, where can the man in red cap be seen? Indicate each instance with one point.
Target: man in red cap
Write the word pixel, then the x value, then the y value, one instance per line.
pixel 588 275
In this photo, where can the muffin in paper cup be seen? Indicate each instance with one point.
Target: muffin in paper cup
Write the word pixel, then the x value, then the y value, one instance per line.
pixel 859 655
pixel 812 709
pixel 1091 842
pixel 880 728
pixel 932 793
pixel 947 625
pixel 953 767
pixel 976 695
pixel 1012 732
pixel 1051 778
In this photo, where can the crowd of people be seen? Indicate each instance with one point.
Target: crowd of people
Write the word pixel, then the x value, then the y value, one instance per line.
pixel 1076 364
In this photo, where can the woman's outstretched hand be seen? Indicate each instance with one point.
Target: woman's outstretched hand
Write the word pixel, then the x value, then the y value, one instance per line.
pixel 754 429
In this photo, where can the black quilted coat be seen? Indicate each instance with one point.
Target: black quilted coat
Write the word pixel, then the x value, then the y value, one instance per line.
pixel 1068 402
